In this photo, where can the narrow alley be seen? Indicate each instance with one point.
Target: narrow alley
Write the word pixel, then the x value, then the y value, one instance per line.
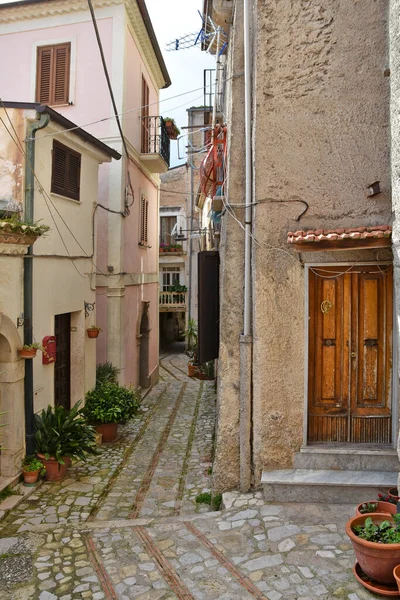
pixel 126 523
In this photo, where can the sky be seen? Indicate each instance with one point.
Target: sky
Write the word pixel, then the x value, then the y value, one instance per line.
pixel 173 19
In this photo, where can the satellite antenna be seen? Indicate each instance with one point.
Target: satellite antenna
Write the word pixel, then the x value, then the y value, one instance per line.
pixel 202 37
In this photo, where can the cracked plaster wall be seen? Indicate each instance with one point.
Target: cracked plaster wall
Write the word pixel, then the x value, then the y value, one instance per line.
pixel 321 134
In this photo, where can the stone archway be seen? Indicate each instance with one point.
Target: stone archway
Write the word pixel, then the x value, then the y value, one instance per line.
pixel 12 406
pixel 144 375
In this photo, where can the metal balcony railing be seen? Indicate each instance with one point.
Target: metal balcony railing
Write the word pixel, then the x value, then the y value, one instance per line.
pixel 155 138
pixel 172 300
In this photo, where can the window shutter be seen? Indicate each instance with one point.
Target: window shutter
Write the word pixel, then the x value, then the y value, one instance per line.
pixel 44 75
pixel 66 171
pixel 61 73
pixel 59 169
pixel 52 77
pixel 144 213
pixel 74 176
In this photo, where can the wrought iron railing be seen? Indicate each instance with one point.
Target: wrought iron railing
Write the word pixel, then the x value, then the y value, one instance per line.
pixel 172 299
pixel 155 138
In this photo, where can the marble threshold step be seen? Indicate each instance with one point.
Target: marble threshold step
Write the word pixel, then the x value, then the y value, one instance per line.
pixel 326 485
pixel 347 458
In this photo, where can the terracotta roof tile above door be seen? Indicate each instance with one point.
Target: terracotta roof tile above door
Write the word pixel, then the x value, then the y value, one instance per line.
pixel 313 240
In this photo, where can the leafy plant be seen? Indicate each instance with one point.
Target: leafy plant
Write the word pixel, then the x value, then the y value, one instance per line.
pixel 111 403
pixel 173 124
pixel 177 287
pixel 387 532
pixel 6 493
pixel 15 225
pixel 34 346
pixel 386 498
pixel 94 328
pixel 31 463
pixel 207 369
pixel 204 498
pixel 216 501
pixel 368 507
pixel 61 433
pixel 191 335
pixel 106 372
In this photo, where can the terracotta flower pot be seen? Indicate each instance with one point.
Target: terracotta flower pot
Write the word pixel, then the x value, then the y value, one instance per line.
pixel 108 431
pixel 396 573
pixel 30 477
pixel 54 470
pixel 393 493
pixel 31 353
pixel 193 370
pixel 375 559
pixel 382 507
pixel 93 333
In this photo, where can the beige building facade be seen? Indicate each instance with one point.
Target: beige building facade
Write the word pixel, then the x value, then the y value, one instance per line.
pixel 63 263
pixel 321 375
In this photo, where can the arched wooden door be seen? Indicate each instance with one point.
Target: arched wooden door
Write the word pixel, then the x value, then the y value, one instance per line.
pixel 350 354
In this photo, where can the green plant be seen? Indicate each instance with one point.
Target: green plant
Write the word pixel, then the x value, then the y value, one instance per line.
pixel 368 507
pixel 31 463
pixel 61 433
pixel 208 369
pixel 174 125
pixel 216 501
pixel 177 287
pixel 191 335
pixel 386 498
pixel 6 493
pixel 94 328
pixel 111 403
pixel 204 498
pixel 387 532
pixel 34 346
pixel 15 225
pixel 106 372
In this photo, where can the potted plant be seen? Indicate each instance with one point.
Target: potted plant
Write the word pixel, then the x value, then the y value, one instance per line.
pixel 376 542
pixel 376 507
pixel 387 498
pixel 31 469
pixel 393 494
pixel 109 404
pixel 172 130
pixel 178 247
pixel 30 350
pixel 93 331
pixel 62 435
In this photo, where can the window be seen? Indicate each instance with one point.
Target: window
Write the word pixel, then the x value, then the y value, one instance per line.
pixel 144 215
pixel 52 76
pixel 167 224
pixel 171 276
pixel 145 117
pixel 66 171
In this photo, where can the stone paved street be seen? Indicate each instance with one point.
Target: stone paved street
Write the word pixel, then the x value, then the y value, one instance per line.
pixel 126 525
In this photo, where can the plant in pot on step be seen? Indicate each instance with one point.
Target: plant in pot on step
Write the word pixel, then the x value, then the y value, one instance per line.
pixel 377 506
pixel 109 404
pixel 376 542
pixel 32 468
pixel 60 436
pixel 93 331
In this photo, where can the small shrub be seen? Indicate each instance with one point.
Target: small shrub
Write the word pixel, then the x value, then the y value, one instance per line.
pixel 106 372
pixel 216 501
pixel 204 498
pixel 111 403
pixel 32 463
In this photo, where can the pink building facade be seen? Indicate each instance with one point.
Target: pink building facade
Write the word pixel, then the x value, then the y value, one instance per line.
pixel 126 215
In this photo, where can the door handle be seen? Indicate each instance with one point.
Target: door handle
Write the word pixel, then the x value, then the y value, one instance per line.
pixel 353 355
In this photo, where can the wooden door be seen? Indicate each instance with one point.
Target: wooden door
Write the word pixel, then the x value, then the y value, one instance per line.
pixel 62 368
pixel 350 354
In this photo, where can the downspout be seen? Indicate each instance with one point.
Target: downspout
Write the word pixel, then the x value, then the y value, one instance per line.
pixel 246 339
pixel 28 277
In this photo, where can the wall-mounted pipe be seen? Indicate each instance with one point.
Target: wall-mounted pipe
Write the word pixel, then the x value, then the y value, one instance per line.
pixel 28 276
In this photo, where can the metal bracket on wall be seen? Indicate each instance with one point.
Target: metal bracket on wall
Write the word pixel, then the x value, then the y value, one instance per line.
pixel 89 307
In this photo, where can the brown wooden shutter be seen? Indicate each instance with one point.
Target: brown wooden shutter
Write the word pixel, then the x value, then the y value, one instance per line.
pixel 44 75
pixel 52 78
pixel 66 171
pixel 145 116
pixel 144 216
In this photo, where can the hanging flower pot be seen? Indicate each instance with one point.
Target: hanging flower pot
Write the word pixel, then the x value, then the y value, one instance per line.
pixel 27 352
pixel 93 331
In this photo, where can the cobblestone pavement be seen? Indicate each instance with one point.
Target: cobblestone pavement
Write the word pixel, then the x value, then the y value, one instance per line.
pixel 126 525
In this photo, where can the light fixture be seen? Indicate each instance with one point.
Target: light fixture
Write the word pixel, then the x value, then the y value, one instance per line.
pixel 374 188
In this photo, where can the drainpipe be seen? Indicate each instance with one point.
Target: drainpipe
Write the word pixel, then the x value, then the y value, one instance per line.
pixel 28 277
pixel 246 340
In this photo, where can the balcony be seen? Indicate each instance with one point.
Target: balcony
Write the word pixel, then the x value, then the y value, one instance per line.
pixel 154 151
pixel 173 301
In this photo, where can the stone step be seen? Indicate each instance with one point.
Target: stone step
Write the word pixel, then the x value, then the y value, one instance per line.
pixel 347 459
pixel 325 486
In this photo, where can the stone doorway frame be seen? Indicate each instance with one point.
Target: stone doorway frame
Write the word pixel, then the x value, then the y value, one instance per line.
pixel 144 329
pixel 12 399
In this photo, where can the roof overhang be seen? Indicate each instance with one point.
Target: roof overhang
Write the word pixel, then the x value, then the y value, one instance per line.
pixel 349 238
pixel 65 123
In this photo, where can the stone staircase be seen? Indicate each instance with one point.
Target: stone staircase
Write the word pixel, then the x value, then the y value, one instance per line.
pixel 325 474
